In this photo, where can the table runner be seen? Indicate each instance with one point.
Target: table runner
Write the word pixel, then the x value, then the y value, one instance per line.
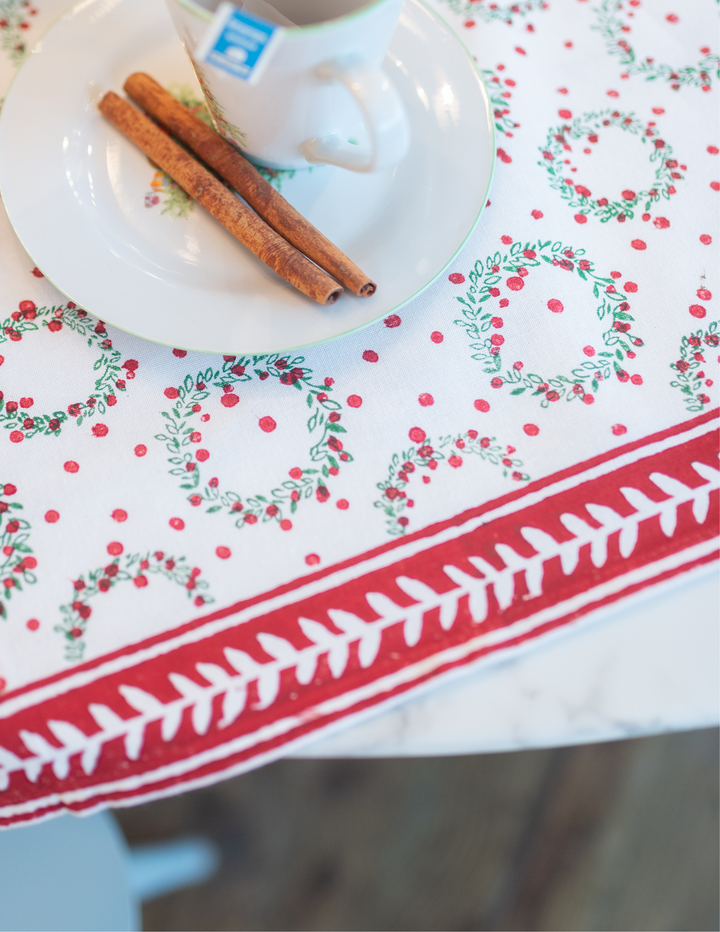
pixel 206 560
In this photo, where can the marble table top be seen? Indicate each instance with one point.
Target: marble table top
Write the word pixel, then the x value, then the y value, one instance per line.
pixel 648 666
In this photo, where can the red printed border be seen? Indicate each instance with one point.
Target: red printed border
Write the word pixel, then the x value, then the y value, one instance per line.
pixel 231 691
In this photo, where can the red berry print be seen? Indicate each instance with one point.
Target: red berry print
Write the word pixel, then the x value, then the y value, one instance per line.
pixel 100 430
pixel 618 429
pixel 177 524
pixel 115 548
pixel 636 379
pixel 532 430
pixel 229 400
pixel 119 515
pixel 436 336
pixel 71 466
pixel 223 552
pixel 697 310
pixel 202 456
pixel 455 461
pixel 426 400
pixel 354 401
pixel 704 294
pixel 140 449
pixel 506 239
pixel 589 350
pixel 312 559
pixel 630 287
pixel 343 504
pixel 52 516
pixel 639 244
pixel 555 306
pixel 457 278
pixel 580 218
pixel 286 524
pixel 672 18
pixel 32 624
pixel 713 150
pixel 515 284
pixel 706 239
pixel 565 114
pixel 267 424
pixel 370 356
pixel 416 434
pixel 715 185
pixel 661 223
pixel 16 436
pixel 171 393
pixel 503 156
pixel 481 405
pixel 392 321
pixel 180 353
pixel 537 214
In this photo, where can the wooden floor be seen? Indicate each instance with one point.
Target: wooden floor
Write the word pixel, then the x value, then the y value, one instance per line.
pixel 615 836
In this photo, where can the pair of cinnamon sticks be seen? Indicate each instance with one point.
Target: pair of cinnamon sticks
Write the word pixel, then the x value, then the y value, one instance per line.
pixel 273 230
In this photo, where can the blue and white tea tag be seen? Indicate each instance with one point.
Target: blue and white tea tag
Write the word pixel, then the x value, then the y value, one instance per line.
pixel 239 42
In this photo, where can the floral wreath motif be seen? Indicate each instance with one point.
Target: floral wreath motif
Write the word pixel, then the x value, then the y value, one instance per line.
pixel 423 456
pixel 323 425
pixel 611 27
pixel 499 97
pixel 620 343
pixel 13 23
pixel 493 12
pixel 689 378
pixel 577 195
pixel 15 552
pixel 134 566
pixel 175 200
pixel 14 415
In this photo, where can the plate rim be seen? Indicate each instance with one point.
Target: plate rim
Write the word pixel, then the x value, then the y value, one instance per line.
pixel 81 5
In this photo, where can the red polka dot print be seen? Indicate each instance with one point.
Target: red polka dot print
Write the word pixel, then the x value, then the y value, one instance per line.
pixel 426 400
pixel 370 356
pixel 354 401
pixel 52 516
pixel 115 548
pixel 267 424
pixel 555 306
pixel 140 450
pixel 532 430
pixel 71 466
pixel 436 336
pixel 119 515
pixel 416 434
pixel 177 524
pixel 223 552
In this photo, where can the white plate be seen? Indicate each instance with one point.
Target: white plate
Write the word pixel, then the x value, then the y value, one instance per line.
pixel 75 189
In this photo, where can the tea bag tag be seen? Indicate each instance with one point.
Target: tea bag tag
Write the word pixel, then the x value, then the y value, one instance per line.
pixel 239 42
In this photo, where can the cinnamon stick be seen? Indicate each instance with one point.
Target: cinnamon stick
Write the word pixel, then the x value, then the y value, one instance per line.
pixel 247 181
pixel 212 194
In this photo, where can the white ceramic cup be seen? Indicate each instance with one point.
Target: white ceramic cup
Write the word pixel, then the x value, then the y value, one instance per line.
pixel 322 97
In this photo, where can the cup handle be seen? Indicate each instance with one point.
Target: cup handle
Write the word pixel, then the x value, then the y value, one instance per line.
pixel 384 115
